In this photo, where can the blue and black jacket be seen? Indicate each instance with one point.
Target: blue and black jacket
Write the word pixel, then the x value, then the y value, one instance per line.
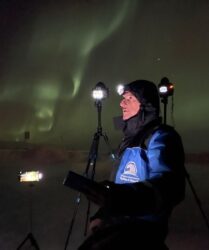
pixel 153 175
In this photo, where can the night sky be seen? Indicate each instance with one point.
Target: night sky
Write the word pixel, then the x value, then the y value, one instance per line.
pixel 52 53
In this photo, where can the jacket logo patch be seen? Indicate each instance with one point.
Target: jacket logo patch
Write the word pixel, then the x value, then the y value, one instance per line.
pixel 130 168
pixel 130 173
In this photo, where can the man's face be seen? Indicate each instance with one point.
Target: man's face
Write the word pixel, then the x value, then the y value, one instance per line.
pixel 130 105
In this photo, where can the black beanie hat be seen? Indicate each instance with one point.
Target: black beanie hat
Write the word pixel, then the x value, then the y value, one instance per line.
pixel 146 92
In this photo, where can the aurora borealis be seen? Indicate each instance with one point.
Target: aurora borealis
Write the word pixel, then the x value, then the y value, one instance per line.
pixel 54 52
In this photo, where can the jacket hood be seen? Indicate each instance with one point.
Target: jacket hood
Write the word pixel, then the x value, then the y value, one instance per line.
pixel 137 126
pixel 147 94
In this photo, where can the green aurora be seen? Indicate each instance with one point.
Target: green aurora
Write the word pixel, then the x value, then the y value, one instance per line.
pixel 53 54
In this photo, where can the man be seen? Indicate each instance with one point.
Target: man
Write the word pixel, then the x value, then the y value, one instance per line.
pixel 149 181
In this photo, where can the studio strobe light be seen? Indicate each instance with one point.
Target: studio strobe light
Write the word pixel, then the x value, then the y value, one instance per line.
pixel 100 92
pixel 30 177
pixel 165 88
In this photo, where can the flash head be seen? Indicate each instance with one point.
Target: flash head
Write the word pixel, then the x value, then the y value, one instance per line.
pixel 165 88
pixel 100 91
pixel 30 176
pixel 120 89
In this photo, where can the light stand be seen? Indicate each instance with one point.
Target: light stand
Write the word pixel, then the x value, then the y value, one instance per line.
pixel 30 177
pixel 164 100
pixel 99 93
pixel 30 236
pixel 166 89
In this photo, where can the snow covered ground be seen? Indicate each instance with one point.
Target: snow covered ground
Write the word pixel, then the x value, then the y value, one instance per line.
pixel 53 203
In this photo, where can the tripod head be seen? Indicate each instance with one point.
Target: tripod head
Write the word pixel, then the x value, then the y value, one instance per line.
pixel 166 89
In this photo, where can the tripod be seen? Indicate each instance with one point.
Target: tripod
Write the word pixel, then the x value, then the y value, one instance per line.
pixel 164 100
pixel 91 164
pixel 30 236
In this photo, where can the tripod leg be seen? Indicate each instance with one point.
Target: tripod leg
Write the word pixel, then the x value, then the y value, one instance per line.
pixel 197 200
pixel 32 240
pixel 87 218
pixel 23 242
pixel 73 220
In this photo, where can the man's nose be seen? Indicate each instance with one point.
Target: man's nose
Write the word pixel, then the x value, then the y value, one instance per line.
pixel 122 103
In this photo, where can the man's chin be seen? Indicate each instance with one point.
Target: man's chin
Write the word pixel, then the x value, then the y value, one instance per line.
pixel 125 117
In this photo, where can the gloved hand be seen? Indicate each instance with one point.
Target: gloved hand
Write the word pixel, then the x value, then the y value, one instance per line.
pixel 95 225
pixel 100 196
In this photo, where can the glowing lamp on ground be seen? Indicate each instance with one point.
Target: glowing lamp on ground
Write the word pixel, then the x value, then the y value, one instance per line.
pixel 30 176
